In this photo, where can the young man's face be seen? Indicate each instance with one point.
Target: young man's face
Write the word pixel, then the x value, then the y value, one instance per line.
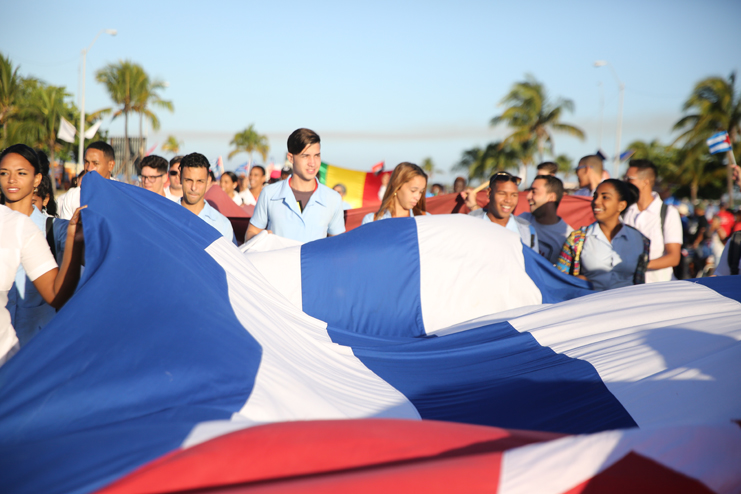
pixel 153 179
pixel 582 173
pixel 194 182
pixel 96 160
pixel 306 164
pixel 538 195
pixel 503 199
pixel 635 177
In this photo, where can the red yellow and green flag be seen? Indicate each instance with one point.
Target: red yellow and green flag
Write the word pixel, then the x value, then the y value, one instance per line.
pixel 362 187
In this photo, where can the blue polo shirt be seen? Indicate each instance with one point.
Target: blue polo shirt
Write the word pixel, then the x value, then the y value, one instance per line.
pixel 277 210
pixel 218 221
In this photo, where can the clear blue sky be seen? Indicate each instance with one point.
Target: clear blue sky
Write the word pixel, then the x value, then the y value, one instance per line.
pixel 394 81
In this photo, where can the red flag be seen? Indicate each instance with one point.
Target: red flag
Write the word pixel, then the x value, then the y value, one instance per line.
pixel 378 167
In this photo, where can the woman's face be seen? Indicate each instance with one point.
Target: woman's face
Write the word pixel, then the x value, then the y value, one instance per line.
pixel 606 203
pixel 409 194
pixel 227 184
pixel 17 177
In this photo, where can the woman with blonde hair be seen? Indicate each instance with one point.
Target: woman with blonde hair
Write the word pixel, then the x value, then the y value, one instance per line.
pixel 405 194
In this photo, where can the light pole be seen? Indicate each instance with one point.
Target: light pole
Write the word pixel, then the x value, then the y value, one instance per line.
pixel 81 132
pixel 602 63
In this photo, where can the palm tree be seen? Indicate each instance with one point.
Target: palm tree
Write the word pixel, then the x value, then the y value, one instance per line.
pixel 482 163
pixel 533 117
pixel 429 167
pixel 714 105
pixel 125 82
pixel 147 96
pixel 10 87
pixel 664 157
pixel 171 145
pixel 249 141
pixel 564 163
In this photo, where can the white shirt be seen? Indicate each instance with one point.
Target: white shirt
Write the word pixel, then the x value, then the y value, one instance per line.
pixel 648 222
pixel 172 196
pixel 69 203
pixel 610 264
pixel 550 237
pixel 247 197
pixel 517 224
pixel 238 199
pixel 21 243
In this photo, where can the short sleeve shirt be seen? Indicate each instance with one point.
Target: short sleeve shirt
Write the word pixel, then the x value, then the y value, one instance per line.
pixel 610 264
pixel 276 210
pixel 648 222
pixel 520 226
pixel 21 243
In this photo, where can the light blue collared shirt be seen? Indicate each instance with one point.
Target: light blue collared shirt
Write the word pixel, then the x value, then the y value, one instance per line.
pixel 218 221
pixel 368 218
pixel 611 264
pixel 277 210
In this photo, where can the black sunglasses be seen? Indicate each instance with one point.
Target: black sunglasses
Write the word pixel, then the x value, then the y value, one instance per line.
pixel 173 173
pixel 505 177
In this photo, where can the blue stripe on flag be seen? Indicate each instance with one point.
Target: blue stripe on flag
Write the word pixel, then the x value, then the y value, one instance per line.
pixel 554 285
pixel 135 345
pixel 728 286
pixel 344 279
pixel 493 375
pixel 719 143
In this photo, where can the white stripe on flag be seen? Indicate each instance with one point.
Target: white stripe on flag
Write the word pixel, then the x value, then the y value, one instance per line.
pixel 719 143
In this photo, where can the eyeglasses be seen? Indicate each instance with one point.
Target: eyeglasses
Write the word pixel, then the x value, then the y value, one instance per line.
pixel 145 178
pixel 505 177
pixel 174 173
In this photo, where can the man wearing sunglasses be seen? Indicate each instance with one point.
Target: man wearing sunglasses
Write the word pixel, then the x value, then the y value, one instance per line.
pixel 153 174
pixel 503 197
pixel 589 172
pixel 175 190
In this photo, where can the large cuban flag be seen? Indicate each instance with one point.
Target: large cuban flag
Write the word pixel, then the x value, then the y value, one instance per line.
pixel 177 343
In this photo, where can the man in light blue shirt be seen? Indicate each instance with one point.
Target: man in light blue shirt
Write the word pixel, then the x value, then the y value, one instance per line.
pixel 194 169
pixel 299 208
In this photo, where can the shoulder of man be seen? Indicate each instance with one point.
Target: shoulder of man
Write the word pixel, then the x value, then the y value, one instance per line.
pixel 331 194
pixel 522 221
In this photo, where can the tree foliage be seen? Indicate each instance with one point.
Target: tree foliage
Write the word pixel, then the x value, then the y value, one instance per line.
pixel 249 141
pixel 533 118
pixel 497 156
pixel 172 145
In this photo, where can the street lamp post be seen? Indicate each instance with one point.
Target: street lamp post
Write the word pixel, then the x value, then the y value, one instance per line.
pixel 81 132
pixel 602 63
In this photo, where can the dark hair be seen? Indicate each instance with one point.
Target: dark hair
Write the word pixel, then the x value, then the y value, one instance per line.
pixel 43 163
pixel 194 160
pixel 259 168
pixel 626 191
pixel 549 167
pixel 592 161
pixel 440 186
pixel 552 184
pixel 177 159
pixel 300 139
pixel 24 152
pixel 210 174
pixel 103 147
pixel 232 176
pixel 153 161
pixel 43 191
pixel 644 166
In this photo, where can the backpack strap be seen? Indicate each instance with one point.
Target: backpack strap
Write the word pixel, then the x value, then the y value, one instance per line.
pixel 50 236
pixel 662 215
pixel 734 252
pixel 578 246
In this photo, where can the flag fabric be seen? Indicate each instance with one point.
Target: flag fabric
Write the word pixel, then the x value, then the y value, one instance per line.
pixel 626 154
pixel 219 166
pixel 374 455
pixel 378 167
pixel 151 150
pixel 66 131
pixel 90 133
pixel 152 358
pixel 719 143
pixel 362 187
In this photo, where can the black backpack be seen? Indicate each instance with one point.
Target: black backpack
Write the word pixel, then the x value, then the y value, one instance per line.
pixel 734 252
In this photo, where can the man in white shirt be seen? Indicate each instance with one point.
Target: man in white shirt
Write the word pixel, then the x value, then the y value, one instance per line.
pixel 153 173
pixel 256 181
pixel 503 197
pixel 99 157
pixel 175 190
pixel 646 217
pixel 544 196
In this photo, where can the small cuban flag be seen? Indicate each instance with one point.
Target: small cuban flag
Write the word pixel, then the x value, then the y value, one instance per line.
pixel 719 143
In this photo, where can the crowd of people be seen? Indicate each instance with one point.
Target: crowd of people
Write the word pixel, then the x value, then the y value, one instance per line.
pixel 636 237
